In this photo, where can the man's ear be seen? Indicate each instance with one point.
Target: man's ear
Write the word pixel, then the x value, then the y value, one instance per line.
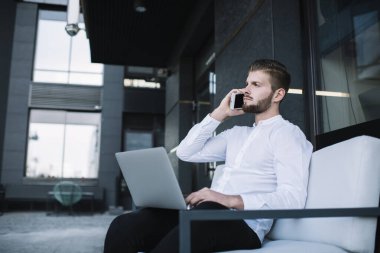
pixel 278 95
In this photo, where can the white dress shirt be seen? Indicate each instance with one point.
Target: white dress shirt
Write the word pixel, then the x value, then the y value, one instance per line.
pixel 266 164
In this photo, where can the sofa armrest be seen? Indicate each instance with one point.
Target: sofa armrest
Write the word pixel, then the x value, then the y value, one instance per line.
pixel 185 217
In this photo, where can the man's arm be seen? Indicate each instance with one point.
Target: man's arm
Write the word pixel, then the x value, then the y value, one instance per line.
pixel 199 145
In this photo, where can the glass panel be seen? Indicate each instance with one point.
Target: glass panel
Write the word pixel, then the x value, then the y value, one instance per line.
pixel 86 78
pixel 52 47
pixel 45 149
pixel 81 57
pixel 138 140
pixel 46 76
pixel 60 58
pixel 81 152
pixel 63 144
pixel 349 51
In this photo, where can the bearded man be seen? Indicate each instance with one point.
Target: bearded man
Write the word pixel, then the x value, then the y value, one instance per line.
pixel 266 167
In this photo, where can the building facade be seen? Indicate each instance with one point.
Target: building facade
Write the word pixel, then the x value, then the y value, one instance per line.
pixel 331 49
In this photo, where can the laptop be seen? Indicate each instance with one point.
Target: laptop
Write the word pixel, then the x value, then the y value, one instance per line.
pixel 150 178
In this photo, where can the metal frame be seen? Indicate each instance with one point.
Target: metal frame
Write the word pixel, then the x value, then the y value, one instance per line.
pixel 310 47
pixel 185 217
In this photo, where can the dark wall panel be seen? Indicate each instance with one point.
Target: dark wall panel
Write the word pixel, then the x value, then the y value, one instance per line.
pixel 7 21
pixel 16 123
pixel 287 46
pixel 144 101
pixel 254 30
pixel 111 134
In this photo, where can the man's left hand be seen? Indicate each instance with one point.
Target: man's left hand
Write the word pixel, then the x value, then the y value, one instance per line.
pixel 206 194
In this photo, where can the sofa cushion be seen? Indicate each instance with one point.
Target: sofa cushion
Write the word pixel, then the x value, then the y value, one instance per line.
pixel 346 174
pixel 288 246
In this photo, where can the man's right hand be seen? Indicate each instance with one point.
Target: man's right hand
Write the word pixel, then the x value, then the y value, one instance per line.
pixel 223 111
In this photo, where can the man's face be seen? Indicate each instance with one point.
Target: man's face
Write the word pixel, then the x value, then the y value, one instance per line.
pixel 258 92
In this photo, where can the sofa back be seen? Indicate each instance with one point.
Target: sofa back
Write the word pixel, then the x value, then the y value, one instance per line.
pixel 346 174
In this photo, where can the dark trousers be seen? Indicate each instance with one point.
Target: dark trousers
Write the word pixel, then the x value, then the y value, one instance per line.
pixel 156 230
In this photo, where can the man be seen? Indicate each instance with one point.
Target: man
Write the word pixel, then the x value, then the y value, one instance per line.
pixel 266 167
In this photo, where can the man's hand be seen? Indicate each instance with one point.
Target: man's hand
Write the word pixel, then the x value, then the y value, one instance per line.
pixel 223 111
pixel 205 194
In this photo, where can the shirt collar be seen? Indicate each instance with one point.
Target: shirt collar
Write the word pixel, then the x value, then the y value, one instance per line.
pixel 268 121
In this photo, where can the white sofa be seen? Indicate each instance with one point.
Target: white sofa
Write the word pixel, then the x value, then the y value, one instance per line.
pixel 344 175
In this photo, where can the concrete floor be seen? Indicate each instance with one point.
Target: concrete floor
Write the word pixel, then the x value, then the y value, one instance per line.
pixel 35 232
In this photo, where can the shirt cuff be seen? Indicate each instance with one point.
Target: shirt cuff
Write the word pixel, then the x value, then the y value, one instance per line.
pixel 252 202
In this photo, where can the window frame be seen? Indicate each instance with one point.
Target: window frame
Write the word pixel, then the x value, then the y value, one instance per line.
pixel 44 180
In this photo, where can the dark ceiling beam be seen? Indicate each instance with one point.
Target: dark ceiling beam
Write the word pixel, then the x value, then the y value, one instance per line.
pixel 120 35
pixel 190 30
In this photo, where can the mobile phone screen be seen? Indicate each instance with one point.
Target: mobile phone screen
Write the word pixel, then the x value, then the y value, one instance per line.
pixel 239 101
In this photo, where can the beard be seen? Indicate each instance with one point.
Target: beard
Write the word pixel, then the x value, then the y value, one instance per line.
pixel 261 106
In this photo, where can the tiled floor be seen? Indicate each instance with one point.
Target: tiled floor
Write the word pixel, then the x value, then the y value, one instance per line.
pixel 35 232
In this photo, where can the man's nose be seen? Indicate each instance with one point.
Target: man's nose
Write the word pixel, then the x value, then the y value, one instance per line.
pixel 244 90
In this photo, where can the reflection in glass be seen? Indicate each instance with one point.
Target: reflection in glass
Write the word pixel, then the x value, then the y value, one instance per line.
pixel 349 51
pixel 81 55
pixel 63 144
pixel 81 152
pixel 60 58
pixel 45 148
pixel 140 83
pixel 135 139
pixel 51 55
pixel 47 76
pixel 85 78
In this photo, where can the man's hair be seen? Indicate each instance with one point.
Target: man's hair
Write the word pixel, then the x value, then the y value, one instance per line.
pixel 279 76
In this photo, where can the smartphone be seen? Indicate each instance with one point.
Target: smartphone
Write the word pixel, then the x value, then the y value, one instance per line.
pixel 236 101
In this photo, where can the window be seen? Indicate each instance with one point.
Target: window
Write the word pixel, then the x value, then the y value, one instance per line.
pixel 137 139
pixel 60 58
pixel 349 56
pixel 140 83
pixel 63 144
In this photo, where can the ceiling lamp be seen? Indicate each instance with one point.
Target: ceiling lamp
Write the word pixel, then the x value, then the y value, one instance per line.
pixel 139 6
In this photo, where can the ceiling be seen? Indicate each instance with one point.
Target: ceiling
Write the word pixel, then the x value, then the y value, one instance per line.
pixel 120 35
